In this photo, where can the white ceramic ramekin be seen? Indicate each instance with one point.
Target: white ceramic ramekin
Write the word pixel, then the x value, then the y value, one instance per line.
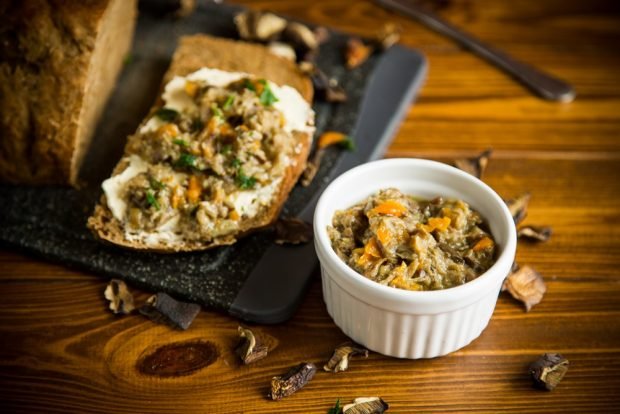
pixel 400 323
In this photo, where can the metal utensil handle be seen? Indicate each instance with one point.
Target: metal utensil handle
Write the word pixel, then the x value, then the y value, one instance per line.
pixel 544 85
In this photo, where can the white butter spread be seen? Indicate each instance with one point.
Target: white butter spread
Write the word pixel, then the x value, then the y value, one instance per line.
pixel 112 186
pixel 297 112
pixel 248 203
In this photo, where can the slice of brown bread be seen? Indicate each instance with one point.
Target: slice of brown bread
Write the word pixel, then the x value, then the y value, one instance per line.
pixel 59 61
pixel 193 53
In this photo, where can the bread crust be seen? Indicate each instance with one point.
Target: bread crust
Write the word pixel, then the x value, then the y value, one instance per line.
pixel 193 53
pixel 46 76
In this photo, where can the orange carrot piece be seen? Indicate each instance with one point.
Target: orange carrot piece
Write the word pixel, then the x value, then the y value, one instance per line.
pixel 170 130
pixel 371 252
pixel 483 243
pixel 440 224
pixel 330 138
pixel 383 235
pixel 233 215
pixel 194 189
pixel 390 207
pixel 191 88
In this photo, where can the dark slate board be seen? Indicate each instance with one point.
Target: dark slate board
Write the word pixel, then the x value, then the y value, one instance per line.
pixel 253 279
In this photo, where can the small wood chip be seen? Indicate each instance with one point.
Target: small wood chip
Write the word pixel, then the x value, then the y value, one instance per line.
pixel 548 370
pixel 250 348
pixel 518 207
pixel 162 308
pixel 340 358
pixel 294 380
pixel 293 231
pixel 526 285
pixel 366 405
pixel 535 233
pixel 476 165
pixel 121 300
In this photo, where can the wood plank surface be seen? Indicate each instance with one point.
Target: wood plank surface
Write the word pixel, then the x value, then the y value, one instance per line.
pixel 62 351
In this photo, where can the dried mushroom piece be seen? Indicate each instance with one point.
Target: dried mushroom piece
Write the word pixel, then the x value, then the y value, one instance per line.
pixel 356 52
pixel 535 233
pixel 186 7
pixel 121 299
pixel 526 285
pixel 162 308
pixel 475 165
pixel 294 380
pixel 250 348
pixel 300 37
pixel 293 231
pixel 259 26
pixel 548 370
pixel 518 207
pixel 340 358
pixel 388 35
pixel 366 405
pixel 326 88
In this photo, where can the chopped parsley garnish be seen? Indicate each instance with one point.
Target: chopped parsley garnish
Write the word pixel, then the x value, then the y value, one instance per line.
pixel 267 98
pixel 243 181
pixel 249 85
pixel 217 111
pixel 236 163
pixel 167 114
pixel 226 149
pixel 347 144
pixel 180 142
pixel 156 184
pixel 229 102
pixel 186 161
pixel 150 198
pixel 335 409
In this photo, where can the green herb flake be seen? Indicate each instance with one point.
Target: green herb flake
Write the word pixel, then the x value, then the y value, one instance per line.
pixel 336 408
pixel 150 198
pixel 217 111
pixel 180 142
pixel 244 182
pixel 229 102
pixel 226 149
pixel 186 161
pixel 347 144
pixel 267 98
pixel 236 163
pixel 167 114
pixel 249 85
pixel 128 59
pixel 156 184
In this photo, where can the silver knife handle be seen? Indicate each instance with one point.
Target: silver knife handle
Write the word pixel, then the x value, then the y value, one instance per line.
pixel 547 86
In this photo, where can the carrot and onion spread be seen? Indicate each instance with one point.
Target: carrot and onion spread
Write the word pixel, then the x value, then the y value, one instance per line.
pixel 413 244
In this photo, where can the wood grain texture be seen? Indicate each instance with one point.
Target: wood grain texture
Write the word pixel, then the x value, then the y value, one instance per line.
pixel 62 351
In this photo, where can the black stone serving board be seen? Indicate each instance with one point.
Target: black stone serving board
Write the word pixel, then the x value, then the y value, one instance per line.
pixel 254 279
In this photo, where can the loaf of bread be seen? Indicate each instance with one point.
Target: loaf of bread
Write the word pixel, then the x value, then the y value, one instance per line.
pixel 217 155
pixel 59 61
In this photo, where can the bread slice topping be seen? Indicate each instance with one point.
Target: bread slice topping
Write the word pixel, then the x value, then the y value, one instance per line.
pixel 210 159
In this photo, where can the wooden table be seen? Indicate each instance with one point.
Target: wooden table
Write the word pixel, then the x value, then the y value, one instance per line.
pixel 61 351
